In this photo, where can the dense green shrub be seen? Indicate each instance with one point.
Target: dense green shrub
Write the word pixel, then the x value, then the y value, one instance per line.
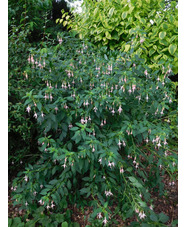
pixel 104 121
pixel 144 25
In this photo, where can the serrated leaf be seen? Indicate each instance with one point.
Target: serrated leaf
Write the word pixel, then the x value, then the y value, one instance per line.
pixel 162 35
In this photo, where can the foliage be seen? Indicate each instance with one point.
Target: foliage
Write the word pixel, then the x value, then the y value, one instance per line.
pixel 148 26
pixel 20 127
pixel 38 15
pixel 104 121
pixel 42 219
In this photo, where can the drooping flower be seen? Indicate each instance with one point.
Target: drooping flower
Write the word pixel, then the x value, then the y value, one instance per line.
pixel 159 145
pixel 121 170
pixel 133 87
pixel 42 114
pixel 99 215
pixel 35 115
pixel 105 221
pixel 95 109
pixel 113 111
pixel 56 109
pixel 142 215
pixel 120 109
pixel 60 40
pixel 119 144
pixel 28 109
pixel 108 193
pixel 26 178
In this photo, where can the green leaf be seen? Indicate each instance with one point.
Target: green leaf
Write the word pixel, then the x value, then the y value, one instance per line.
pixel 154 217
pixel 163 218
pixel 16 221
pixel 127 47
pixel 172 49
pixel 74 129
pixel 65 23
pixel 76 224
pixel 162 35
pixel 111 11
pixel 133 179
pixel 124 15
pixel 59 218
pixel 9 222
pixel 163 42
pixel 105 56
pixel 30 223
pixel 64 224
pixel 108 36
pixel 151 52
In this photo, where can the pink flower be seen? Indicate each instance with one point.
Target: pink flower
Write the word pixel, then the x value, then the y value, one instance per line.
pixel 146 73
pixel 26 178
pixel 142 215
pixel 159 145
pixel 133 87
pixel 28 109
pixel 142 40
pixel 121 170
pixel 120 109
pixel 29 59
pixel 42 114
pixel 105 221
pixel 99 215
pixel 130 91
pixel 60 40
pixel 165 142
pixel 82 121
pixel 95 109
pixel 119 144
pixel 113 112
pixel 124 144
pixel 52 206
pixel 108 193
pixel 35 115
pixel 64 165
